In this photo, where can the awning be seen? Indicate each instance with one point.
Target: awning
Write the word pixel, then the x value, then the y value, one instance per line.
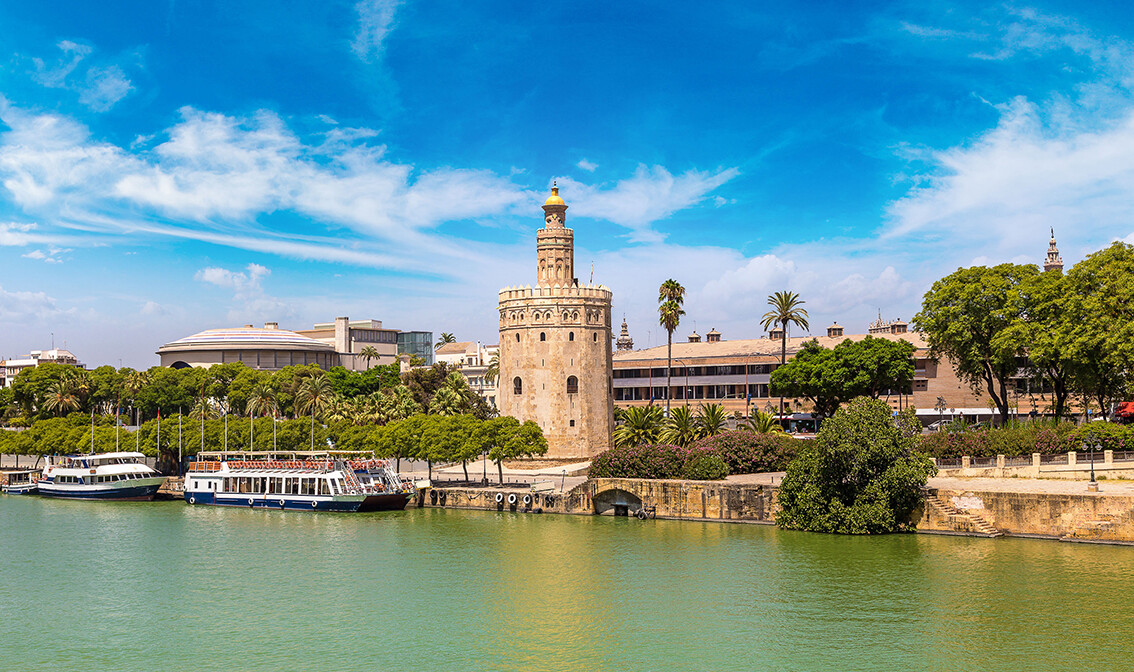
pixel 1125 409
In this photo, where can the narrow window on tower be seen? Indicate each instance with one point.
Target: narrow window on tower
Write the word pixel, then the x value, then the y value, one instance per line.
pixel 596 338
pixel 542 336
pixel 517 385
pixel 570 336
pixel 572 385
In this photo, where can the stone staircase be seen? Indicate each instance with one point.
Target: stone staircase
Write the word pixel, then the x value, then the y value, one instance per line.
pixel 962 521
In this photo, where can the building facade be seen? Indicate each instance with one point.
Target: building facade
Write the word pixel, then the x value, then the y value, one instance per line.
pixel 473 359
pixel 350 338
pixel 10 368
pixel 418 343
pixel 555 347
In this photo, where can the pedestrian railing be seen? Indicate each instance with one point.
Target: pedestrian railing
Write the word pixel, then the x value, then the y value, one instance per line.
pixel 1064 458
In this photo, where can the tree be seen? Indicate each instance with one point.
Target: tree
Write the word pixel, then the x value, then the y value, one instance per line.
pixel 640 425
pixel 861 475
pixel 513 440
pixel 670 297
pixel 493 371
pixel 314 397
pixel 711 420
pixel 763 423
pixel 785 310
pixel 136 381
pixel 1097 323
pixel 369 353
pixel 445 337
pixel 829 377
pixel 680 427
pixel 964 317
pixel 1044 307
pixel 62 398
pixel 262 400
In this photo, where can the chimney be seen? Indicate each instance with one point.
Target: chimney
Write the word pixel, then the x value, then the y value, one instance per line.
pixel 248 326
pixel 342 335
pixel 834 331
pixel 271 325
pixel 713 336
pixel 694 338
pixel 776 333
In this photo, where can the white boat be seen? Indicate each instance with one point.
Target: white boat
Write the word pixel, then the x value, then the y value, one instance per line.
pixel 316 481
pixel 120 476
pixel 19 482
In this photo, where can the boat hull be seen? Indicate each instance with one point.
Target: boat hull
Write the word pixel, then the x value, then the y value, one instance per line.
pixel 395 501
pixel 136 492
pixel 277 502
pixel 22 489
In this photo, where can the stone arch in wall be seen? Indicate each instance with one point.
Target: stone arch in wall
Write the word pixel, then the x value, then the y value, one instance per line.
pixel 517 385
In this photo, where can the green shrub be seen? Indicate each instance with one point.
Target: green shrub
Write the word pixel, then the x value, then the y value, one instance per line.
pixel 706 466
pixel 647 461
pixel 747 452
pixel 861 475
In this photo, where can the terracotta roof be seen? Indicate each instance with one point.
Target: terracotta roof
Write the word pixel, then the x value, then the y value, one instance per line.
pixel 754 346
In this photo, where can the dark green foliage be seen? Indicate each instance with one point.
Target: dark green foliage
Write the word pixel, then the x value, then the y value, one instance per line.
pixel 646 461
pixel 861 475
pixel 705 466
pixel 1016 439
pixel 868 367
pixel 746 452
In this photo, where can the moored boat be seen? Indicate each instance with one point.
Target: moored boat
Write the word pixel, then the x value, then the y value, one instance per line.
pixel 111 476
pixel 316 481
pixel 19 482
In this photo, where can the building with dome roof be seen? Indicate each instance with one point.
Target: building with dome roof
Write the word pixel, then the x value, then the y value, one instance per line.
pixel 555 347
pixel 268 349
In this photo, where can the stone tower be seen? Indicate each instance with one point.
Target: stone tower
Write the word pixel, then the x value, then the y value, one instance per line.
pixel 1054 262
pixel 555 358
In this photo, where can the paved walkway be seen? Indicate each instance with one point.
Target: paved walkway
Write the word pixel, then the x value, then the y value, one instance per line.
pixel 1042 485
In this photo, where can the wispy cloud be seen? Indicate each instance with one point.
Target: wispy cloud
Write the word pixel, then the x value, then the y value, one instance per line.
pixel 250 301
pixel 375 20
pixel 652 194
pixel 99 89
pixel 588 166
pixel 50 255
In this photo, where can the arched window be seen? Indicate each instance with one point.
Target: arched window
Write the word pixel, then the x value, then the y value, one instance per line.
pixel 570 336
pixel 542 336
pixel 572 385
pixel 517 385
pixel 517 338
pixel 596 338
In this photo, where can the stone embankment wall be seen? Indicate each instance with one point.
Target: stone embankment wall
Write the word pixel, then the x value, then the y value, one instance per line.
pixel 1072 517
pixel 1103 517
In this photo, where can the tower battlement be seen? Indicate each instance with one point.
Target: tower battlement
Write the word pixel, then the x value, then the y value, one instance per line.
pixel 555 291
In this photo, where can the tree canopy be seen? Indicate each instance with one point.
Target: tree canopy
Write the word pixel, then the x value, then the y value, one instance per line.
pixel 861 475
pixel 828 378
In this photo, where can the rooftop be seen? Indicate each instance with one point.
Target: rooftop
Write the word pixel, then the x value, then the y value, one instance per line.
pixel 246 337
pixel 754 346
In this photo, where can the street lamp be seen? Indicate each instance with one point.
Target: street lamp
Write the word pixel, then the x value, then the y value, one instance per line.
pixel 1093 485
pixel 484 468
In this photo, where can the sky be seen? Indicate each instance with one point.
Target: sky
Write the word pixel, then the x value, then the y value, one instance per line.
pixel 167 168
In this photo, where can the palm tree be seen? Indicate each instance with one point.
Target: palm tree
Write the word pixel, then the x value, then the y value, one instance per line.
pixel 711 419
pixel 135 383
pixel 446 337
pixel 785 310
pixel 61 398
pixel 764 423
pixel 681 428
pixel 670 297
pixel 262 400
pixel 315 396
pixel 368 353
pixel 493 371
pixel 640 425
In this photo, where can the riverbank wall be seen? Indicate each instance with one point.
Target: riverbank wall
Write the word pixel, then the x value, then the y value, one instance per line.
pixel 1089 517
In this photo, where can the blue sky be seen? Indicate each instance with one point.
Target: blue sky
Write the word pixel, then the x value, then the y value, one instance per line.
pixel 172 167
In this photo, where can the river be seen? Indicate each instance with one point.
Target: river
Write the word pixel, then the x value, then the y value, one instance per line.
pixel 164 586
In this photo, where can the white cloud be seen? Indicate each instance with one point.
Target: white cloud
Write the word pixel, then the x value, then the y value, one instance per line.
pixel 375 20
pixel 100 88
pixel 250 301
pixel 652 194
pixel 104 87
pixel 17 235
pixel 51 256
pixel 153 308
pixel 587 165
pixel 20 307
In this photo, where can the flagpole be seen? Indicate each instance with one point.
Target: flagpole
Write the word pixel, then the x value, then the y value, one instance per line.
pixel 178 440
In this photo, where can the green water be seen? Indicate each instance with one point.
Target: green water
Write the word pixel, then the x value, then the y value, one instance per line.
pixel 165 586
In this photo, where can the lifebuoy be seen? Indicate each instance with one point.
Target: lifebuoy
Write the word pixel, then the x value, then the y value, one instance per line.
pixel 641 514
pixel 512 498
pixel 314 504
pixel 527 500
pixel 432 496
pixel 441 497
pixel 251 502
pixel 281 503
pixel 192 500
pixel 499 497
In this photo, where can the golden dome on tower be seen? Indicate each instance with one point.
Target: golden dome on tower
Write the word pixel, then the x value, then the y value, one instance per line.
pixel 554 198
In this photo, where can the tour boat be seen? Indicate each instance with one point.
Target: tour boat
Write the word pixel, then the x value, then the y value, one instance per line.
pixel 19 482
pixel 121 476
pixel 296 481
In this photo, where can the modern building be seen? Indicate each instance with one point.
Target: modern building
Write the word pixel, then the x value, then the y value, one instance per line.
pixel 350 338
pixel 268 349
pixel 10 368
pixel 555 354
pixel 418 343
pixel 473 359
pixel 328 344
